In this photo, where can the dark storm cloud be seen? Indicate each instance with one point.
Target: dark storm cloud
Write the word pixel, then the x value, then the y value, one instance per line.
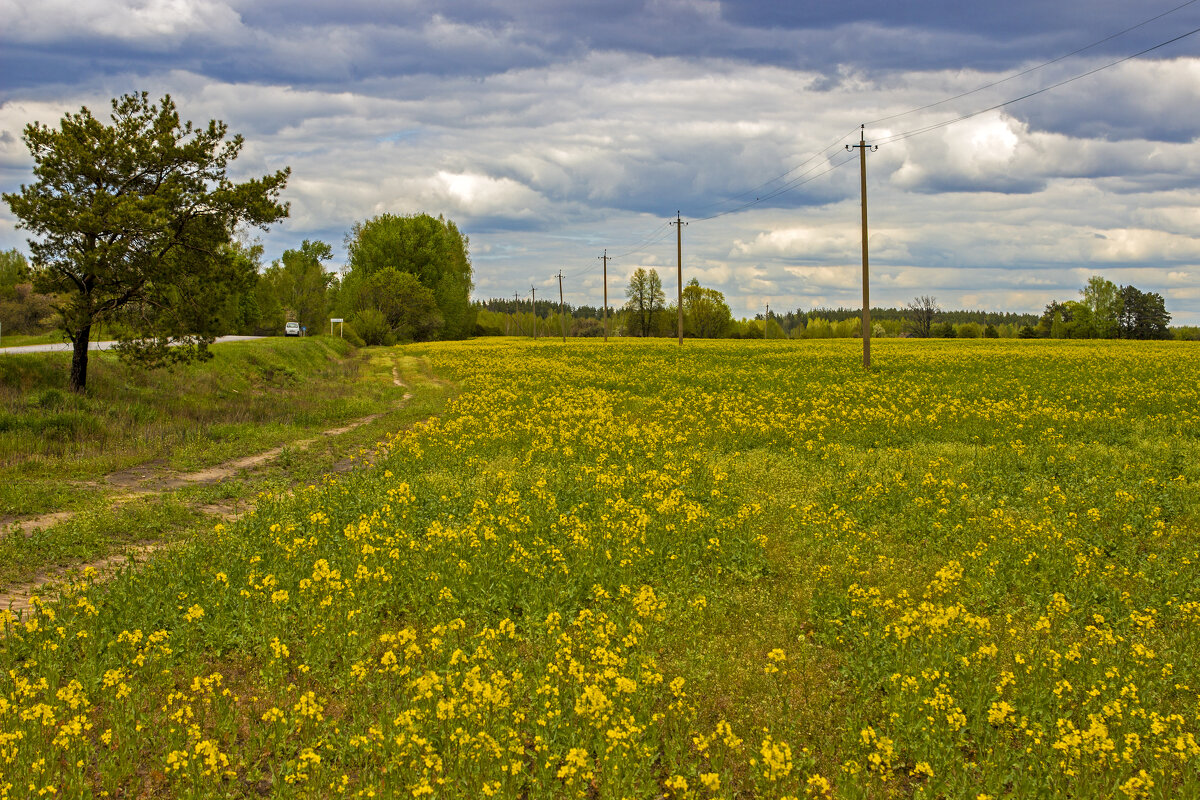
pixel 318 43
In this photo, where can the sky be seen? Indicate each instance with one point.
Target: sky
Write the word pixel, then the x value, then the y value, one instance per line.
pixel 551 132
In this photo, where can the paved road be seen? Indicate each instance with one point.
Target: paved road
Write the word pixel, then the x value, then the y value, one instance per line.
pixel 65 347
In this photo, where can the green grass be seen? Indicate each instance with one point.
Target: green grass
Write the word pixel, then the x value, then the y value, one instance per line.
pixel 56 447
pixel 50 337
pixel 736 570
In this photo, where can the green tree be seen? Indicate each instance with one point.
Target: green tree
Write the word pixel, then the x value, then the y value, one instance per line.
pixel 409 309
pixel 431 249
pixel 1080 324
pixel 1143 315
pixel 818 328
pixel 243 312
pixel 968 330
pixel 300 284
pixel 1103 299
pixel 942 330
pixel 646 299
pixel 14 269
pixel 133 223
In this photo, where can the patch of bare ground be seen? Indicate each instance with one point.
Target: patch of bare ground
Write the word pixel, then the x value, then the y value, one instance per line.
pixel 31 525
pixel 152 478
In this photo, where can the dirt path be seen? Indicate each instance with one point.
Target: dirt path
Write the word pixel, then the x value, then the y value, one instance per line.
pixel 144 480
pixel 153 478
pixel 31 525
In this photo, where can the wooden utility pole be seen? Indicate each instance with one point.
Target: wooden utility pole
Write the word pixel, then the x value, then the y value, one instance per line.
pixel 679 223
pixel 517 310
pixel 604 258
pixel 562 314
pixel 866 312
pixel 533 302
pixel 767 322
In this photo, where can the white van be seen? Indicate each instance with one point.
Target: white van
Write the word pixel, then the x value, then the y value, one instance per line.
pixel 291 329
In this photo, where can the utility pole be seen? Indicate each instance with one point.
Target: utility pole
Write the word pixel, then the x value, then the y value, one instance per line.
pixel 517 310
pixel 679 223
pixel 604 258
pixel 533 302
pixel 767 322
pixel 866 312
pixel 562 315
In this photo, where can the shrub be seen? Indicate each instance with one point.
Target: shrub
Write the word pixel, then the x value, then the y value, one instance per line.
pixel 371 326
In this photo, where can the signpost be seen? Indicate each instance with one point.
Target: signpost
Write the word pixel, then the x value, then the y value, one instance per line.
pixel 341 327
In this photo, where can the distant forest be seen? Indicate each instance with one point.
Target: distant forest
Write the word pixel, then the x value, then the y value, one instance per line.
pixel 505 316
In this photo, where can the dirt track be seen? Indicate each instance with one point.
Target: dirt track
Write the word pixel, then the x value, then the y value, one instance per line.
pixel 152 478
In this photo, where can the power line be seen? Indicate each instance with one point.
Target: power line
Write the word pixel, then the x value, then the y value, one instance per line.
pixel 660 232
pixel 1034 68
pixel 795 183
pixel 943 124
pixel 787 187
pixel 832 145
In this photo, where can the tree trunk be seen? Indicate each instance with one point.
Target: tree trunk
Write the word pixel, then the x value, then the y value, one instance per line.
pixel 79 359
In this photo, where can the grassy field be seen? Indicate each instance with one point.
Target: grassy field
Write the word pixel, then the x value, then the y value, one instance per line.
pixel 739 569
pixel 119 458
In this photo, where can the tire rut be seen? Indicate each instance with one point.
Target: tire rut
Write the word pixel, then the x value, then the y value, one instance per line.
pixel 148 480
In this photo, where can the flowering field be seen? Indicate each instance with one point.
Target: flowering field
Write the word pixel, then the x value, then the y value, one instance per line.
pixel 732 570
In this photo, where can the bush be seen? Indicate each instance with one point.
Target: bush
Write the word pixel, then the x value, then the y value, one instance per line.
pixel 967 330
pixel 587 327
pixel 1187 333
pixel 942 330
pixel 371 326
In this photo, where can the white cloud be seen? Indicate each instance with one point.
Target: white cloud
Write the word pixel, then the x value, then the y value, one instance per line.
pixel 544 167
pixel 152 22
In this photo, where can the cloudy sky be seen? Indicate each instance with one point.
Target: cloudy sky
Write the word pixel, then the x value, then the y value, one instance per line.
pixel 551 131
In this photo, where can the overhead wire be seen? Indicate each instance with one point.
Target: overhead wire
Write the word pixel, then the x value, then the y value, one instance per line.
pixel 769 181
pixel 792 185
pixel 660 232
pixel 1026 96
pixel 1035 68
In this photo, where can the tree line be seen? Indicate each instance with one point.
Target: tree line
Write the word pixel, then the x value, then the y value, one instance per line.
pixel 138 230
pixel 1105 310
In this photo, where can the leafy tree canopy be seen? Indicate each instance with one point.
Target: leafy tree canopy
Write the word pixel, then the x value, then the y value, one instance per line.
pixel 705 312
pixel 646 298
pixel 407 310
pixel 431 249
pixel 299 283
pixel 133 222
pixel 14 268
